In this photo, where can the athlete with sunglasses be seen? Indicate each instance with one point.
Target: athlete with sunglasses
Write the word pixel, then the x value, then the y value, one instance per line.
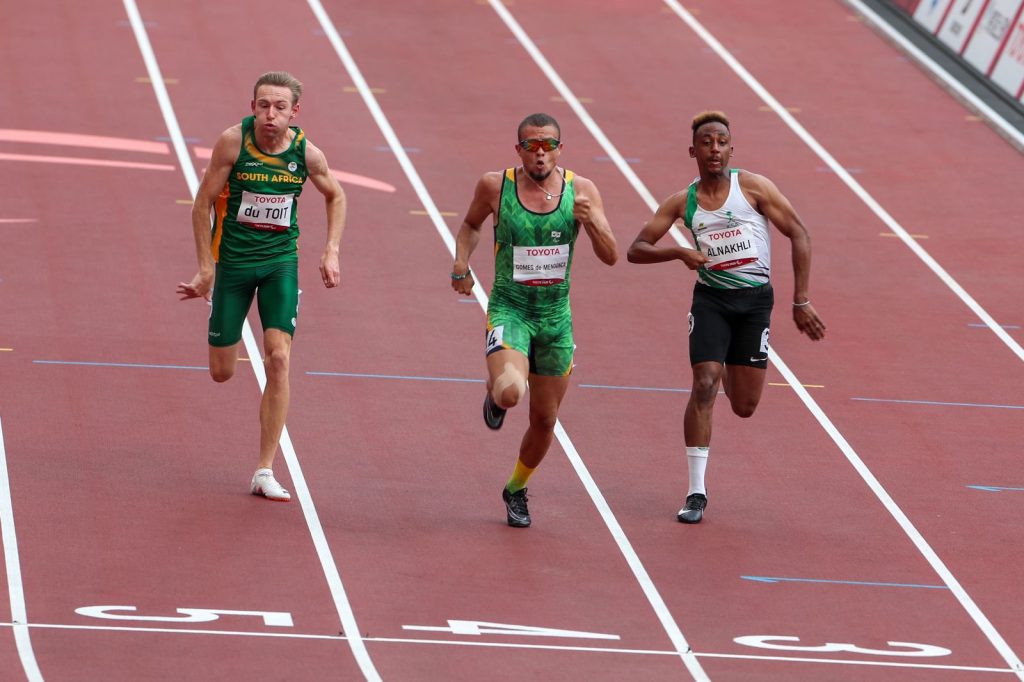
pixel 538 209
pixel 727 212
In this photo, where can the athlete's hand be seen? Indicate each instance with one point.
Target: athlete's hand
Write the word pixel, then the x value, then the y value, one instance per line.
pixel 463 286
pixel 330 270
pixel 200 287
pixel 808 322
pixel 581 209
pixel 692 258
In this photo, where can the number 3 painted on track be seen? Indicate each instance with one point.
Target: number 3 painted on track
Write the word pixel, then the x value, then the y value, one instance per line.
pixel 909 648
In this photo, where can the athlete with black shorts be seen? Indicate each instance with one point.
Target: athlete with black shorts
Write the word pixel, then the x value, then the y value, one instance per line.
pixel 727 212
pixel 252 189
pixel 538 209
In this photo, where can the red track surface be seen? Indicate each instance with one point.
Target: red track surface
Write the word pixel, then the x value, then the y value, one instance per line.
pixel 128 483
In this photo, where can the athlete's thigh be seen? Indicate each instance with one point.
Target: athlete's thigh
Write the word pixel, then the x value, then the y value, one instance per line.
pixel 751 323
pixel 553 346
pixel 710 332
pixel 507 329
pixel 546 393
pixel 233 289
pixel 510 362
pixel 278 296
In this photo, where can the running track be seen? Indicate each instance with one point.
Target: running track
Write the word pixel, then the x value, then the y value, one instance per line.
pixel 863 525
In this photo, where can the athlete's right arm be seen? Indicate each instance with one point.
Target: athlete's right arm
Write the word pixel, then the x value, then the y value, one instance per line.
pixel 485 202
pixel 225 151
pixel 644 248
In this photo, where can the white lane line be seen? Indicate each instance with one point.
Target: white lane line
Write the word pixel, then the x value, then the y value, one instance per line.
pixel 12 565
pixel 520 645
pixel 651 592
pixel 323 550
pixel 845 176
pixel 928 63
pixel 947 577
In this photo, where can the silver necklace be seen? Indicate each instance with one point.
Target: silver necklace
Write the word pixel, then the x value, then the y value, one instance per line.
pixel 547 195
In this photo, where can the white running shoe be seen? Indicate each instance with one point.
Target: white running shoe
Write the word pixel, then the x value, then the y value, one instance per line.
pixel 264 483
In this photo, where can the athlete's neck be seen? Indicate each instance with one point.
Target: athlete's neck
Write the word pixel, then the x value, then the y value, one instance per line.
pixel 275 144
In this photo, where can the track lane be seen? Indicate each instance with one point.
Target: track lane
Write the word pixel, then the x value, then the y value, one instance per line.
pixel 582 73
pixel 113 513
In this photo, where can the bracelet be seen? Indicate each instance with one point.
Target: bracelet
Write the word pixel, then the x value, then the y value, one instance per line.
pixel 801 305
pixel 463 276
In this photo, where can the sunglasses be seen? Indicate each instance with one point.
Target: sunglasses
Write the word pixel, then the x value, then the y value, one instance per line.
pixel 548 144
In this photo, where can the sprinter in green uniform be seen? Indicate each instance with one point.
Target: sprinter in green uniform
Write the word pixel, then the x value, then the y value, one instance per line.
pixel 538 209
pixel 251 190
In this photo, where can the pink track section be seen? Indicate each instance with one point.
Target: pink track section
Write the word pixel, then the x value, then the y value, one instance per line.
pixel 129 475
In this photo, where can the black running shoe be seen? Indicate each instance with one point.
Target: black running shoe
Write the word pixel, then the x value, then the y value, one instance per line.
pixel 693 510
pixel 515 507
pixel 493 415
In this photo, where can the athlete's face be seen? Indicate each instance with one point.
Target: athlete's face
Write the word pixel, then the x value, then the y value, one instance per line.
pixel 541 161
pixel 273 109
pixel 712 147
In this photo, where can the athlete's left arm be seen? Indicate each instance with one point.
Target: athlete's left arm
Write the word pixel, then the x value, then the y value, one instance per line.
pixel 589 211
pixel 776 208
pixel 334 198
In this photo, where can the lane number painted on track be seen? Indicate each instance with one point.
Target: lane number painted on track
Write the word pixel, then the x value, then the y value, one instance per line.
pixel 476 628
pixel 901 648
pixel 273 618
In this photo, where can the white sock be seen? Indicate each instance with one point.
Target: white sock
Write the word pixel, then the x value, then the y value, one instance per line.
pixel 697 462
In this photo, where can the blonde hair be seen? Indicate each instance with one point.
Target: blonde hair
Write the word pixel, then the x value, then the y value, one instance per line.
pixel 280 79
pixel 709 117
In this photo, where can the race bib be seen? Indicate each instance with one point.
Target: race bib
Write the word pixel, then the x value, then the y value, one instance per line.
pixel 540 266
pixel 271 212
pixel 728 248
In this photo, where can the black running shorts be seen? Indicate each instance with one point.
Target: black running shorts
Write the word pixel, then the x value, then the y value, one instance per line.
pixel 731 325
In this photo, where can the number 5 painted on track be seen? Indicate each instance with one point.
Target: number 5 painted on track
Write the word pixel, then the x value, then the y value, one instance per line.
pixel 275 618
pixel 909 648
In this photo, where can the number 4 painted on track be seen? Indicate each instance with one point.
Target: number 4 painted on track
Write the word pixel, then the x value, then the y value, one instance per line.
pixel 477 628
pixel 275 618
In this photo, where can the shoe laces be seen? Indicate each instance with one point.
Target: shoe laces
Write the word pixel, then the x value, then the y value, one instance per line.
pixel 517 501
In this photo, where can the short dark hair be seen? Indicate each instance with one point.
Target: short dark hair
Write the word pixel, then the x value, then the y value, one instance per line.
pixel 709 117
pixel 537 121
pixel 281 79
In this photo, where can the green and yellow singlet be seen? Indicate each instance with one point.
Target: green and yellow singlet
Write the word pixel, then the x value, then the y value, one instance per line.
pixel 533 251
pixel 256 215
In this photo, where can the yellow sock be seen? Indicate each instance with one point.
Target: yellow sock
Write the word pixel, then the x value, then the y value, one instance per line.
pixel 520 476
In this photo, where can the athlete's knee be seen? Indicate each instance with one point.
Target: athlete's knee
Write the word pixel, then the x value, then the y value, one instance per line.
pixel 221 373
pixel 222 366
pixel 276 362
pixel 543 421
pixel 705 388
pixel 509 386
pixel 744 408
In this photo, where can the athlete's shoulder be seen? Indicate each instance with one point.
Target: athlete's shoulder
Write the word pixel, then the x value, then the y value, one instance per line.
pixel 583 186
pixel 228 145
pixel 232 133
pixel 490 182
pixel 751 181
pixel 316 160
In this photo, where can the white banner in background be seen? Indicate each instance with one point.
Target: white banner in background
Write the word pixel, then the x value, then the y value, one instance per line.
pixel 989 36
pixel 959 21
pixel 930 13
